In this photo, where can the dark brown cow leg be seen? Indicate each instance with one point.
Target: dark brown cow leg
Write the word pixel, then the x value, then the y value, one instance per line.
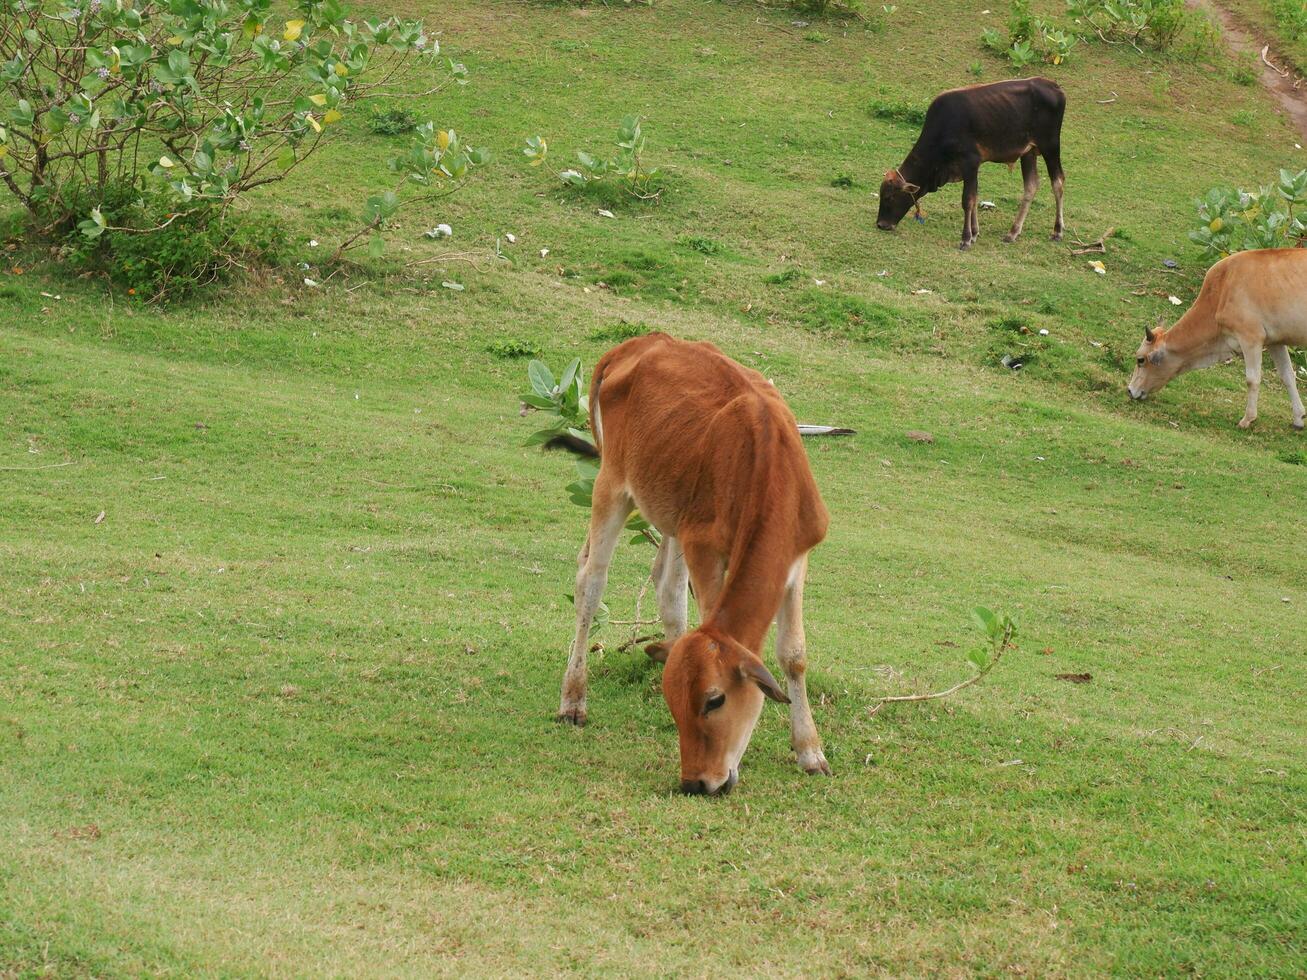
pixel 1053 161
pixel 970 202
pixel 1030 178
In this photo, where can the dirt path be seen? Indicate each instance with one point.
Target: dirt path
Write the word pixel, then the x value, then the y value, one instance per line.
pixel 1240 36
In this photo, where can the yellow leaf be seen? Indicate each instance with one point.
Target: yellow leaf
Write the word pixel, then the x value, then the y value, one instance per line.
pixel 317 126
pixel 166 162
pixel 1217 224
pixel 341 69
pixel 294 28
pixel 175 40
pixel 536 162
pixel 332 116
pixel 442 139
pixel 318 99
pixel 4 152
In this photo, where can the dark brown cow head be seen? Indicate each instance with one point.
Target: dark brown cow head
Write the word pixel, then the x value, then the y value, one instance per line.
pixel 897 196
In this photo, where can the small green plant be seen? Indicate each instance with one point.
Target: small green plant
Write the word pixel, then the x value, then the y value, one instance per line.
pixel 843 181
pixel 1245 118
pixel 1021 24
pixel 1236 220
pixel 617 332
pixel 1057 45
pixel 901 112
pixel 1155 24
pixel 783 278
pixel 393 121
pixel 509 349
pixel 626 168
pixel 997 632
pixel 1244 70
pixel 704 246
pixel 1021 54
pixel 976 69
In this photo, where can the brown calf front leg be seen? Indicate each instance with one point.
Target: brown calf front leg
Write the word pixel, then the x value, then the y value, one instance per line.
pixel 1252 369
pixel 792 652
pixel 611 506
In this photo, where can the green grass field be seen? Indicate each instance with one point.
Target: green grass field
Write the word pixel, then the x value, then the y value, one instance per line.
pixel 288 707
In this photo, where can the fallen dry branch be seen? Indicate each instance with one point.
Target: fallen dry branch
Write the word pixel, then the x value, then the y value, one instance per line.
pixel 1002 645
pixel 1097 247
pixel 31 469
pixel 1267 62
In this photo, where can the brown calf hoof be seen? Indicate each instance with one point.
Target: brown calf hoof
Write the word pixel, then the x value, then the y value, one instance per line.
pixel 964 246
pixel 814 763
pixel 572 716
pixel 1246 423
pixel 1297 426
pixel 1009 238
pixel 658 651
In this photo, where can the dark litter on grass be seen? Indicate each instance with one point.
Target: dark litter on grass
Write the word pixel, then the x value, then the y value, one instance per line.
pixel 1075 678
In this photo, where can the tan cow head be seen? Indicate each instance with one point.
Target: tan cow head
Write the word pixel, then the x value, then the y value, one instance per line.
pixel 896 197
pixel 714 687
pixel 1154 364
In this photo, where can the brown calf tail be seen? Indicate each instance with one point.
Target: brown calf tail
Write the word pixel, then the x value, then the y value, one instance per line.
pixel 573 444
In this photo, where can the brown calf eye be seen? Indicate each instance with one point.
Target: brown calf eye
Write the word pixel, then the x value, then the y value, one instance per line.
pixel 1139 361
pixel 714 702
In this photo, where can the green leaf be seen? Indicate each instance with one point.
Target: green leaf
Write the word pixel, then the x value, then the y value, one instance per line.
pixel 569 374
pixel 986 620
pixel 542 380
pixel 376 247
pixel 979 658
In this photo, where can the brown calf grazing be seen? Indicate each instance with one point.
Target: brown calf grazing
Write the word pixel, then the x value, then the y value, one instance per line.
pixel 998 123
pixel 709 453
pixel 1250 301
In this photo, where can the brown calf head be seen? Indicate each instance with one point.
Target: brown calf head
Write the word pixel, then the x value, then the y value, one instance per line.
pixel 1154 364
pixel 714 687
pixel 896 197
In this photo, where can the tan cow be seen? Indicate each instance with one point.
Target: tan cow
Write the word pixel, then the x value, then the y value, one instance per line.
pixel 710 454
pixel 1250 302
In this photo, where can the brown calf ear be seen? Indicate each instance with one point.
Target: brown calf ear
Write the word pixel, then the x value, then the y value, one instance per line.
pixel 1149 335
pixel 752 668
pixel 911 188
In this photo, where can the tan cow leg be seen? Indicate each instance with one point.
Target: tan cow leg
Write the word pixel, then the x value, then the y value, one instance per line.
pixel 611 506
pixel 791 651
pixel 1252 372
pixel 1284 366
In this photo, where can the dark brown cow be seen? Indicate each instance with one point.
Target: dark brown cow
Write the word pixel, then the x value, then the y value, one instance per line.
pixel 999 123
pixel 710 454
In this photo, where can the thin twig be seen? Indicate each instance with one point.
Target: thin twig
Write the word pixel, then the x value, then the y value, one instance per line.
pixel 1006 644
pixel 29 469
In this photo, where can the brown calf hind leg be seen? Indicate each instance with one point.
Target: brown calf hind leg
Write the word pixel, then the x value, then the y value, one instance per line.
pixel 611 506
pixel 1030 181
pixel 791 651
pixel 670 580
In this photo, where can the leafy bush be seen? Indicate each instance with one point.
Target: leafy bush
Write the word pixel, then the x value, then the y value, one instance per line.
pixel 1236 220
pixel 1028 39
pixel 189 103
pixel 513 348
pixel 1155 24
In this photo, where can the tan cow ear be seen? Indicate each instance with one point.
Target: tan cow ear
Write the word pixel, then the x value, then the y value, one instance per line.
pixel 752 668
pixel 1149 335
pixel 911 188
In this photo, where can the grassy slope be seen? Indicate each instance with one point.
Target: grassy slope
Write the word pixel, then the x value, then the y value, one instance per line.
pixel 1261 16
pixel 301 678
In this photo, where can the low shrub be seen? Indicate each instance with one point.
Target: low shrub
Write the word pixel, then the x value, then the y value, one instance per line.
pixel 1291 16
pixel 393 121
pixel 1236 220
pixel 900 112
